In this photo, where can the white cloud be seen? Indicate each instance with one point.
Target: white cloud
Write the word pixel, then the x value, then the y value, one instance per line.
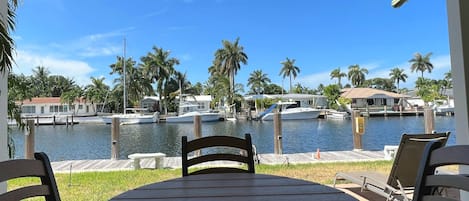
pixel 441 65
pixel 77 70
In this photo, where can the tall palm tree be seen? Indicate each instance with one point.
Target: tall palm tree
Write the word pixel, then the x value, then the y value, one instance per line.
pixel 159 67
pixel 258 80
pixel 228 61
pixel 356 75
pixel 336 73
pixel 397 75
pixel 289 69
pixel 421 63
pixel 6 41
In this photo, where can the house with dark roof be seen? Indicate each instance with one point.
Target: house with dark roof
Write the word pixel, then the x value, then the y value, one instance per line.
pixel 369 97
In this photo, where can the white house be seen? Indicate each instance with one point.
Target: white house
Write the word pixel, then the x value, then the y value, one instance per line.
pixel 46 106
pixel 203 101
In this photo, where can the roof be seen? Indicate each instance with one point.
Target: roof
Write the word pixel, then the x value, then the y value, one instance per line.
pixel 45 100
pixel 355 93
pixel 284 96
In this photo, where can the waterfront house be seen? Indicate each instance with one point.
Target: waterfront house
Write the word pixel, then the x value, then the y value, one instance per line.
pixel 49 106
pixel 375 99
pixel 202 101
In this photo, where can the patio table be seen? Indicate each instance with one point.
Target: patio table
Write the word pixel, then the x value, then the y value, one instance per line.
pixel 234 186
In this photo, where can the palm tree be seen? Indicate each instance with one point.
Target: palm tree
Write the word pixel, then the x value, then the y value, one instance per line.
pixel 356 75
pixel 7 24
pixel 41 81
pixel 60 84
pixel 258 80
pixel 289 69
pixel 228 61
pixel 159 67
pixel 449 79
pixel 6 41
pixel 397 75
pixel 97 91
pixel 421 64
pixel 70 96
pixel 136 84
pixel 336 73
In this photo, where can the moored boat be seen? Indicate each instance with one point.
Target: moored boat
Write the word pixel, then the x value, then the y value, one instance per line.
pixel 333 114
pixel 289 111
pixel 187 112
pixel 138 117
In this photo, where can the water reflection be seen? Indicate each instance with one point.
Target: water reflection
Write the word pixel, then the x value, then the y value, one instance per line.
pixel 94 141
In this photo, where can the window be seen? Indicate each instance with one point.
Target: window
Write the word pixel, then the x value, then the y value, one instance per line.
pixel 58 108
pixel 80 107
pixel 28 109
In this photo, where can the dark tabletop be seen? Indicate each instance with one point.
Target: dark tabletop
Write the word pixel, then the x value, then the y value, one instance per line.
pixel 234 186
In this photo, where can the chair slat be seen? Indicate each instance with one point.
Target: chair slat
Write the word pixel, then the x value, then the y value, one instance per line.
pixel 437 198
pixel 26 192
pixel 219 170
pixel 454 181
pixel 213 141
pixel 20 168
pixel 216 157
pixel 456 155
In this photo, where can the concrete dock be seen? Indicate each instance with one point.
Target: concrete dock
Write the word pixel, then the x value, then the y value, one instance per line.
pixel 175 162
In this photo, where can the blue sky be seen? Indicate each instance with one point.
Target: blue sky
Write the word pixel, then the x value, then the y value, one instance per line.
pixel 80 39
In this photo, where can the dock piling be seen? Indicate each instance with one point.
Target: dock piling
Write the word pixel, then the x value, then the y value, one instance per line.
pixel 277 133
pixel 197 131
pixel 429 116
pixel 357 137
pixel 115 133
pixel 29 140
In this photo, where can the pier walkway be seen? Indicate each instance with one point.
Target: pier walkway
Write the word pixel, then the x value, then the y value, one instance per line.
pixel 175 162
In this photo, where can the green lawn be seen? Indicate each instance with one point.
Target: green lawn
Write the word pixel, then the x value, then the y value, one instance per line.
pixel 100 186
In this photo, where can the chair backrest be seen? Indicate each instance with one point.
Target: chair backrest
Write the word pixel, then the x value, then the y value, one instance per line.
pixel 40 168
pixel 405 166
pixel 244 155
pixel 427 182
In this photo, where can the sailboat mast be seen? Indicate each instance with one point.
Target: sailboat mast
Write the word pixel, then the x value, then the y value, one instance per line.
pixel 125 85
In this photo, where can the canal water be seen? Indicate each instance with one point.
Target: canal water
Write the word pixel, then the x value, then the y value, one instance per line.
pixel 93 141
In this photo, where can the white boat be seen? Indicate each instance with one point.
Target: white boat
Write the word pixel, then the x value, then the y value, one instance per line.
pixel 333 114
pixel 289 111
pixel 138 117
pixel 443 107
pixel 187 112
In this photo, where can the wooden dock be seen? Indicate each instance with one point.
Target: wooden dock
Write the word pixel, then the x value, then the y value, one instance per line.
pixel 175 162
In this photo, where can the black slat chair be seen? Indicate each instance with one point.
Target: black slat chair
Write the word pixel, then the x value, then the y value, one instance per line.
pixel 429 185
pixel 244 154
pixel 40 168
